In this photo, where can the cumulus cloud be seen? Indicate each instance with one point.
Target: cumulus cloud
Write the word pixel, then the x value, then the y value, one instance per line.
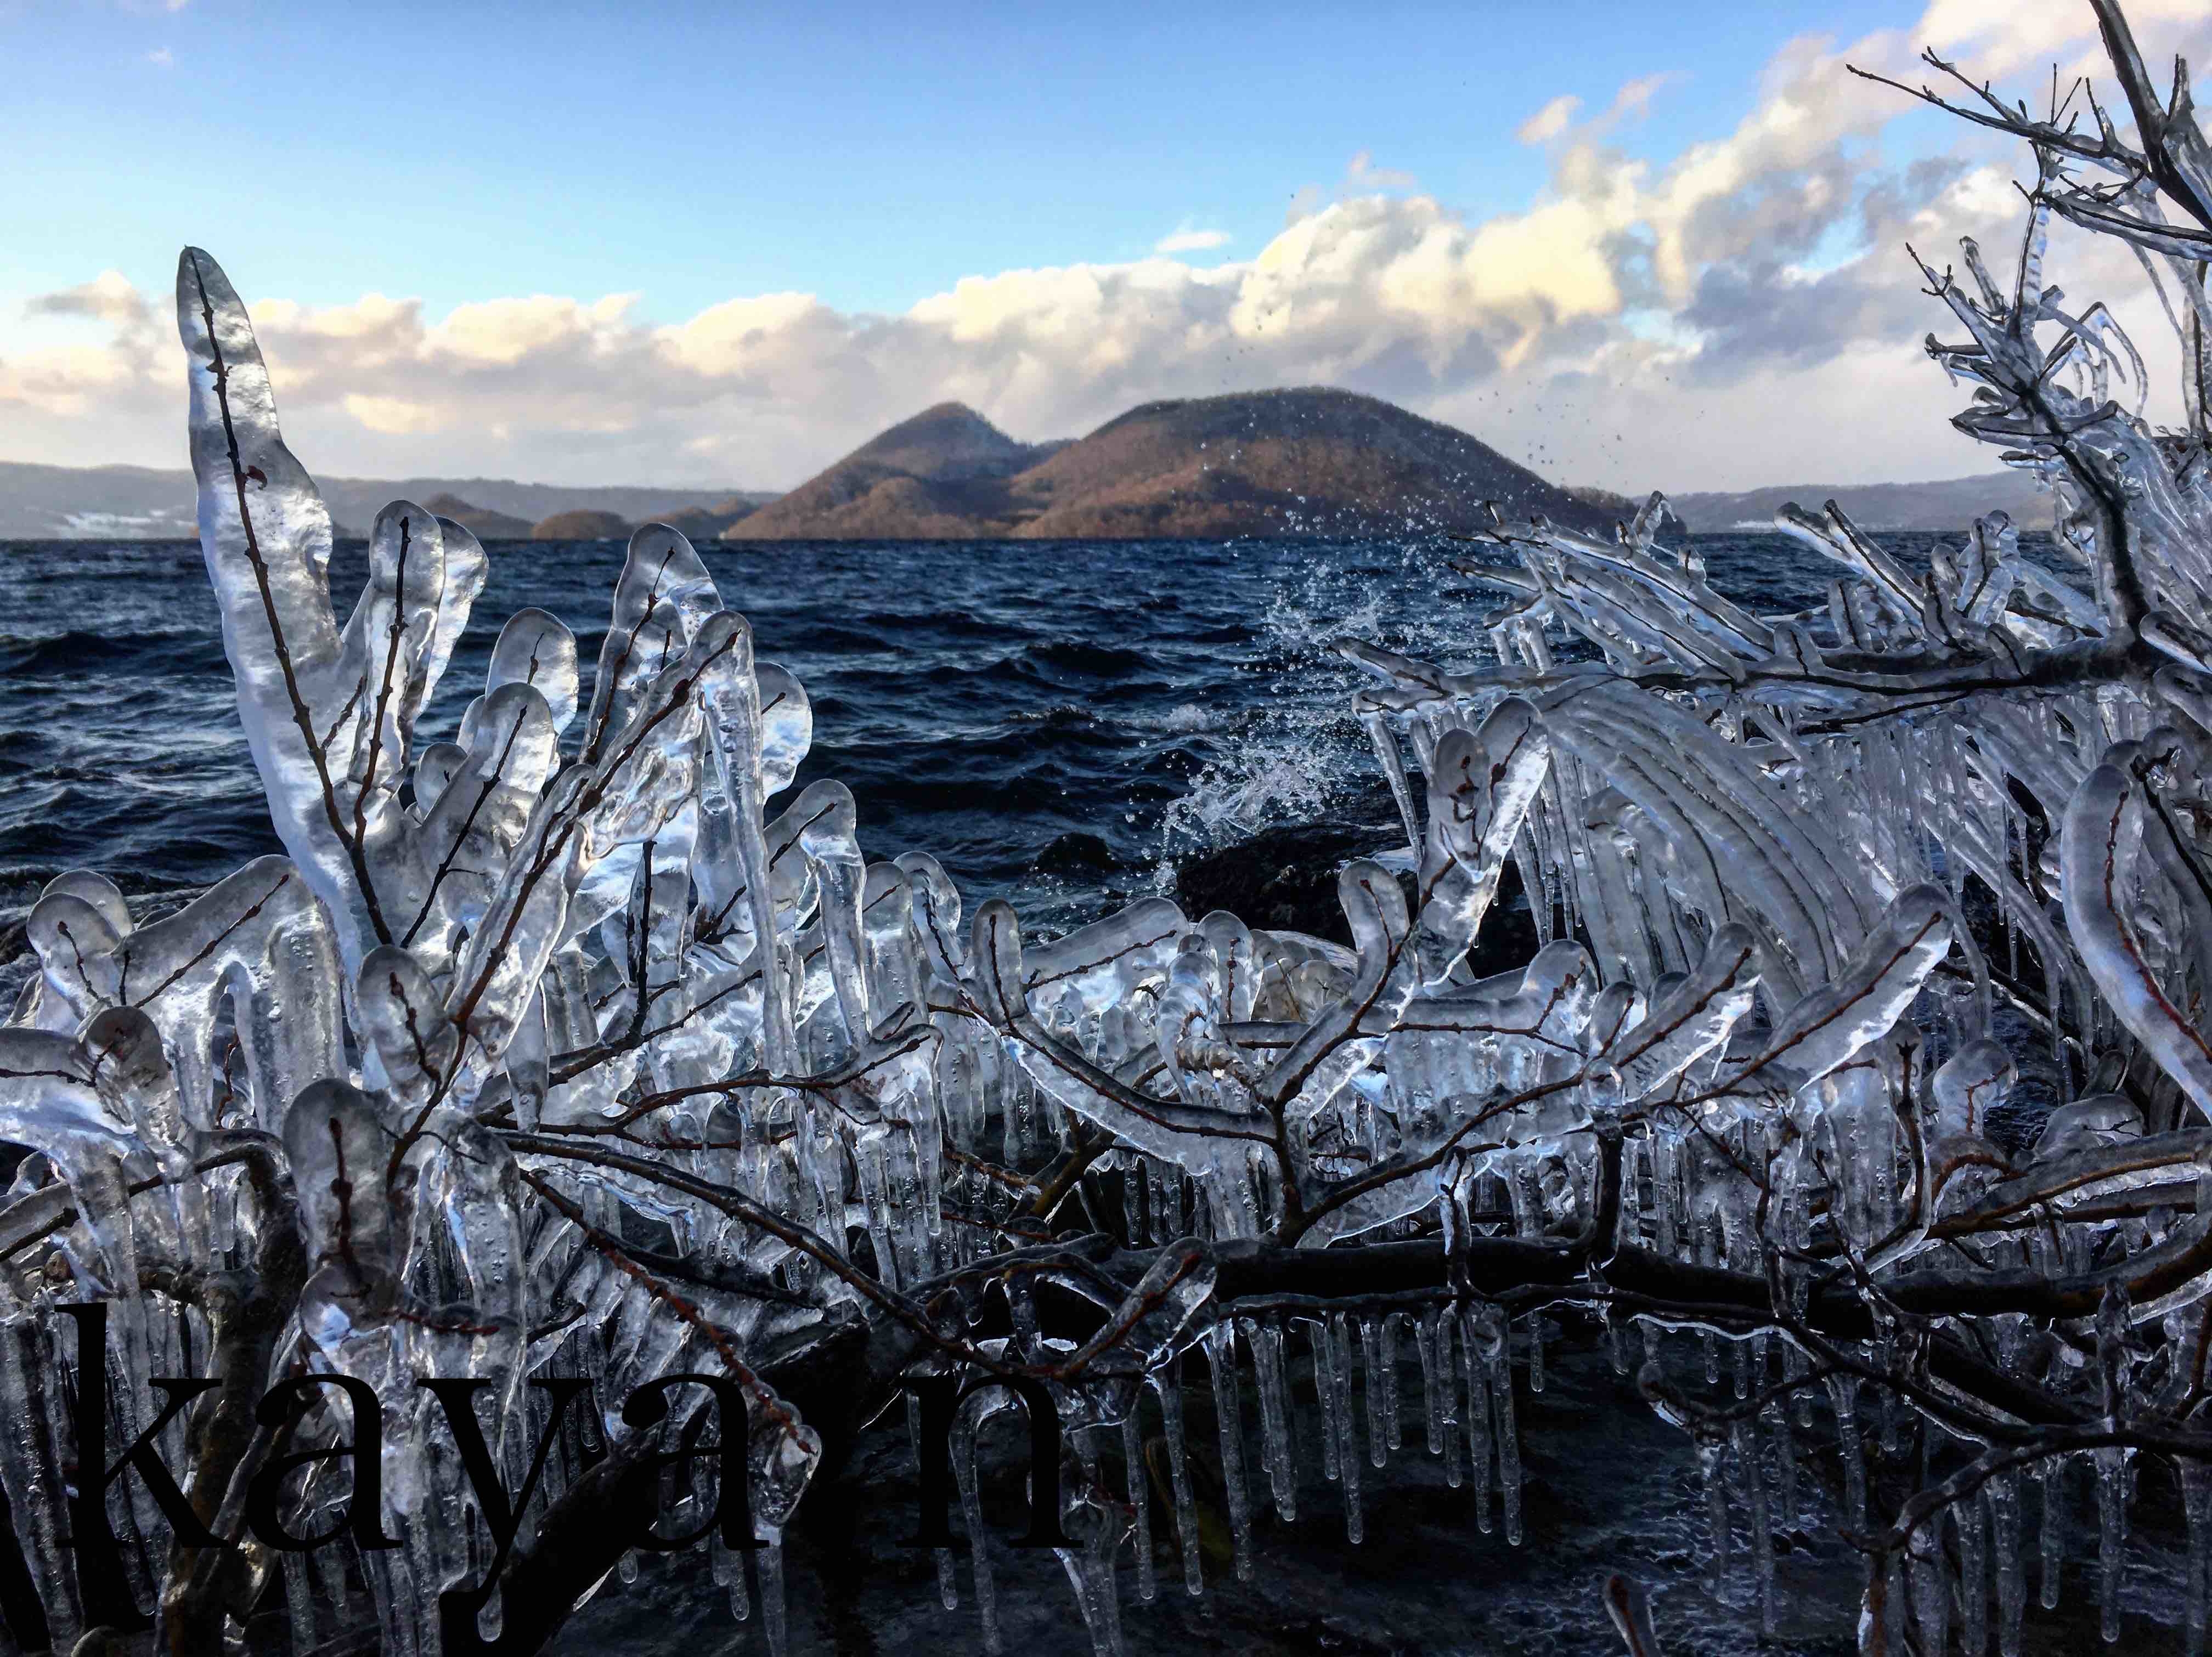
pixel 161 58
pixel 108 297
pixel 1191 242
pixel 1549 122
pixel 1363 174
pixel 1736 313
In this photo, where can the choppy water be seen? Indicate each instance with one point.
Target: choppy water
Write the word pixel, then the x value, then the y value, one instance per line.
pixel 982 701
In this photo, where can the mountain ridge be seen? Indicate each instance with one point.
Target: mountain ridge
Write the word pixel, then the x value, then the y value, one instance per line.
pixel 1299 461
pixel 1948 504
pixel 1305 460
pixel 151 503
pixel 933 476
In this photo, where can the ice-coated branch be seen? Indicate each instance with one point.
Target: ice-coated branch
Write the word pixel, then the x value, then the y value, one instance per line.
pixel 1865 1042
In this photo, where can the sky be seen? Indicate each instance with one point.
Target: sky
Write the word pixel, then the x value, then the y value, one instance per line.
pixel 1633 245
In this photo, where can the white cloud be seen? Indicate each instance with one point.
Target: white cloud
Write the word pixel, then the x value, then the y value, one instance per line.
pixel 160 57
pixel 1633 101
pixel 1363 174
pixel 1549 122
pixel 1739 312
pixel 108 297
pixel 1191 242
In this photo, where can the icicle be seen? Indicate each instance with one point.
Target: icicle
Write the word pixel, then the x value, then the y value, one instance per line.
pixel 728 1567
pixel 1432 1406
pixel 971 1516
pixel 1095 1599
pixel 769 1561
pixel 1843 1393
pixel 1509 1436
pixel 329 1575
pixel 948 1587
pixel 1392 1438
pixel 1794 1366
pixel 1168 1384
pixel 1133 1463
pixel 2196 1502
pixel 1276 1421
pixel 300 1603
pixel 1379 1386
pixel 2054 1527
pixel 2112 1538
pixel 1785 1461
pixel 1931 1592
pixel 1090 1565
pixel 1666 1234
pixel 223 1187
pixel 491 1616
pixel 1324 1368
pixel 1347 1451
pixel 1973 1578
pixel 1894 1605
pixel 1744 1439
pixel 2003 1492
pixel 1711 1456
pixel 1229 1408
pixel 1476 1416
pixel 1535 1352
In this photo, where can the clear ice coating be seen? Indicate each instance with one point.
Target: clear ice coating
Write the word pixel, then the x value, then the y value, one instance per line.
pixel 562 1052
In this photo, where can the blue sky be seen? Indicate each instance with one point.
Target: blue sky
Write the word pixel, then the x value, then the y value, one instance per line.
pixel 704 244
pixel 869 154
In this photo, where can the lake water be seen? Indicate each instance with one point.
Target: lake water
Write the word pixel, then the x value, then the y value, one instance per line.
pixel 1096 709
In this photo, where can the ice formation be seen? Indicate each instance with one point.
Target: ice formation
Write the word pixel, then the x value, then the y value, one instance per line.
pixel 567 1054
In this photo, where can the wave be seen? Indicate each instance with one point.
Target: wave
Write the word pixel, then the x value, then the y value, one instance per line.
pixel 1164 697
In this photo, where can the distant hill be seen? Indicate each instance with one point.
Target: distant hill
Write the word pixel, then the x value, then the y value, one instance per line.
pixel 484 523
pixel 125 503
pixel 1304 462
pixel 940 476
pixel 147 504
pixel 1622 508
pixel 705 523
pixel 1312 461
pixel 581 525
pixel 1952 504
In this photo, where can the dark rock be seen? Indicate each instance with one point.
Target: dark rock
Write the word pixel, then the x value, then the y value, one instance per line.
pixel 1075 853
pixel 1283 879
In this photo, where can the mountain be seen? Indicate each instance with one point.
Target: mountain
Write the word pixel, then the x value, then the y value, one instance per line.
pixel 1952 504
pixel 1302 462
pixel 940 476
pixel 705 523
pixel 126 503
pixel 485 523
pixel 1310 461
pixel 582 524
pixel 145 503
